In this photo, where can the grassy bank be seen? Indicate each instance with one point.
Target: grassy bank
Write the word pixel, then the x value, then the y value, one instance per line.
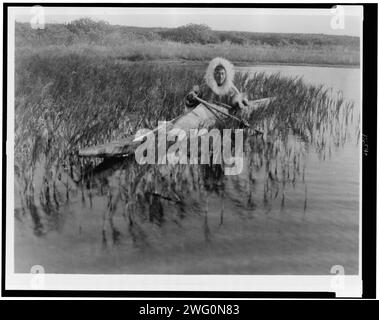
pixel 190 42
pixel 137 50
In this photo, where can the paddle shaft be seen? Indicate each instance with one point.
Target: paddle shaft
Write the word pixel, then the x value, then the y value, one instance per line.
pixel 255 101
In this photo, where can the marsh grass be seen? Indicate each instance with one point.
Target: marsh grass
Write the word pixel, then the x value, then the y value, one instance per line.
pixel 66 101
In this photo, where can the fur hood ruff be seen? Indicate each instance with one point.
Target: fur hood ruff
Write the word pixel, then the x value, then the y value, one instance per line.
pixel 210 80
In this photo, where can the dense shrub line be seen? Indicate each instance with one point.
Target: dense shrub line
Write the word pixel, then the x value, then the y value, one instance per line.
pixel 86 30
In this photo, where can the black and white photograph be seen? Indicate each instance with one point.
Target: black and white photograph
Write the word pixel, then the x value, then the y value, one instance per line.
pixel 187 148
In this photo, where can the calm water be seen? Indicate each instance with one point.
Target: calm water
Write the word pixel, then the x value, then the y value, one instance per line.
pixel 274 239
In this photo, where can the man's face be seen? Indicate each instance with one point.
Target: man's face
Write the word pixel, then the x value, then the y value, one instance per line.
pixel 220 76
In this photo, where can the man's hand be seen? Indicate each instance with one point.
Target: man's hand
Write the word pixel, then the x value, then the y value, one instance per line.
pixel 237 101
pixel 191 100
pixel 192 96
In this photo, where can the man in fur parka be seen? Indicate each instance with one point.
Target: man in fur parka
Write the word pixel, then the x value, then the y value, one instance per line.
pixel 217 87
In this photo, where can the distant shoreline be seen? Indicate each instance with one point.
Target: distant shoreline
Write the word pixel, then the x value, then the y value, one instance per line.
pixel 299 64
pixel 241 64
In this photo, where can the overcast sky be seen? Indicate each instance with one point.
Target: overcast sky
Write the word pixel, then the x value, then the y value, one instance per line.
pixel 349 21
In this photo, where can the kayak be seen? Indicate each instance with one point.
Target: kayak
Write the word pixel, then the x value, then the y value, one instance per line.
pixel 204 116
